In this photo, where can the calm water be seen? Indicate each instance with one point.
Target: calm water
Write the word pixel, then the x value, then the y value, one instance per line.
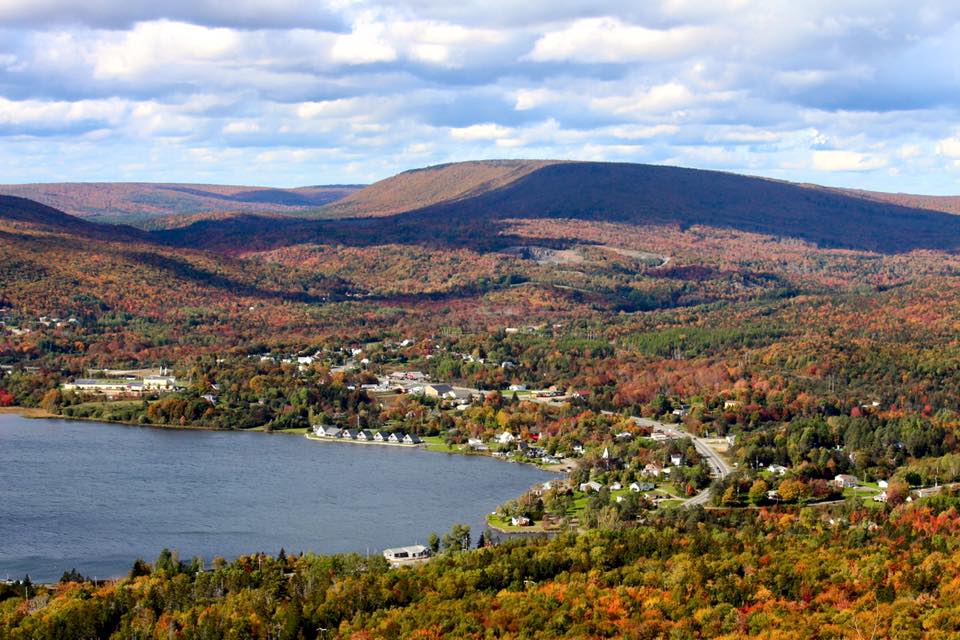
pixel 97 496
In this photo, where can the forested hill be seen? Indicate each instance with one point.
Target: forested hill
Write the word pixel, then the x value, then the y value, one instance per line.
pixel 470 205
pixel 652 194
pixel 151 205
pixel 25 212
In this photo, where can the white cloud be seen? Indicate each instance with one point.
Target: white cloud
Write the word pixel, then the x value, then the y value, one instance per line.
pixel 609 39
pixel 949 147
pixel 841 160
pixel 488 131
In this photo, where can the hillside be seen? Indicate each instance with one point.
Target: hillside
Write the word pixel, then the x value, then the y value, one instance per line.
pixel 144 204
pixel 472 203
pixel 428 186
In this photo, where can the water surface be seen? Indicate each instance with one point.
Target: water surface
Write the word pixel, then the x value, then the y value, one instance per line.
pixel 96 496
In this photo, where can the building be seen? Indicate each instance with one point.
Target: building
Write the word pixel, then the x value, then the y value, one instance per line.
pixel 365 435
pixel 401 556
pixel 593 485
pixel 846 481
pixel 439 391
pixel 676 459
pixel 328 432
pixel 505 438
pixel 778 469
pixel 411 439
pixel 159 383
pixel 395 438
pixel 381 436
pixel 637 487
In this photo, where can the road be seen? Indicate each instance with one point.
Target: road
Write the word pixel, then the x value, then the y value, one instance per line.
pixel 718 466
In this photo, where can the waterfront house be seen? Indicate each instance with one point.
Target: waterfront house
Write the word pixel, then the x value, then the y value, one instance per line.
pixel 401 556
pixel 411 439
pixel 381 436
pixel 396 437
pixel 520 521
pixel 350 434
pixel 505 438
pixel 365 435
pixel 331 432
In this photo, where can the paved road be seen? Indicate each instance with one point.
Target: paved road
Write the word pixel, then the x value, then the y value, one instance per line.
pixel 718 466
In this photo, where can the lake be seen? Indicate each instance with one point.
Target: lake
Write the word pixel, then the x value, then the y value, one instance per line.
pixel 96 496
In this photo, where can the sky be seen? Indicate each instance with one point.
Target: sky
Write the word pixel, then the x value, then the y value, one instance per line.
pixel 858 93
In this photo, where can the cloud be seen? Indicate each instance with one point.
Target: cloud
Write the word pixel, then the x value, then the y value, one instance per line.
pixel 611 40
pixel 349 90
pixel 839 160
pixel 949 147
pixel 113 14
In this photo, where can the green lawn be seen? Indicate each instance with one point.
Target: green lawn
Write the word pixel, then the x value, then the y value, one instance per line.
pixel 436 443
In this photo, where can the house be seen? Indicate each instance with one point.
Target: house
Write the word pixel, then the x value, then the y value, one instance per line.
pixel 505 438
pixel 396 437
pixel 652 470
pixel 637 487
pixel 578 449
pixel 682 412
pixel 676 459
pixel 365 435
pixel 518 387
pixel 474 443
pixel 846 481
pixel 411 439
pixel 407 555
pixel 520 521
pixel 593 485
pixel 329 432
pixel 883 484
pixel 381 436
pixel 616 486
pixel 880 497
pixel 624 435
pixel 439 391
pixel 777 469
pixel 350 434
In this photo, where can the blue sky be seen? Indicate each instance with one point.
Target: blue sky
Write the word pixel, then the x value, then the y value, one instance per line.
pixel 861 93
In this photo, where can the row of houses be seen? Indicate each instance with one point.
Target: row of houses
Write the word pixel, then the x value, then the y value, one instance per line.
pixel 635 487
pixel 365 435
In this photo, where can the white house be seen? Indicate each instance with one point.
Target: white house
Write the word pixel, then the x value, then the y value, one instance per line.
pixel 411 439
pixel 406 555
pixel 592 485
pixel 846 481
pixel 883 484
pixel 505 438
pixel 381 436
pixel 520 521
pixel 518 387
pixel 777 469
pixel 395 438
pixel 616 486
pixel 637 487
pixel 676 459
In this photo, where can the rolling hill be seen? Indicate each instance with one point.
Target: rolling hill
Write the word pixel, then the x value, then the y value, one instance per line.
pixel 150 205
pixel 472 204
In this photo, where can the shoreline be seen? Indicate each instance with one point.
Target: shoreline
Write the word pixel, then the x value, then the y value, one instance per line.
pixel 38 413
